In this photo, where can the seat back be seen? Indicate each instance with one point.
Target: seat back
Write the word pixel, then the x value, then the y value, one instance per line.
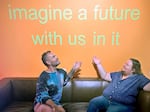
pixel 83 89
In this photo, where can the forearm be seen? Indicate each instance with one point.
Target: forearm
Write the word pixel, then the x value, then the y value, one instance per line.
pixel 74 69
pixel 71 73
pixel 101 71
pixel 147 87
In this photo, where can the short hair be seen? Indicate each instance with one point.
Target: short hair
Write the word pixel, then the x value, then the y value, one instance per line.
pixel 44 57
pixel 136 66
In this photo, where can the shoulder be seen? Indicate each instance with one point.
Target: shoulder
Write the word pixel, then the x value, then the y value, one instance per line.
pixel 60 70
pixel 142 80
pixel 43 76
pixel 142 77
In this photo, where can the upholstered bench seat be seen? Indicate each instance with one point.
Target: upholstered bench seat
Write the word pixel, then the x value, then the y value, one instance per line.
pixel 17 94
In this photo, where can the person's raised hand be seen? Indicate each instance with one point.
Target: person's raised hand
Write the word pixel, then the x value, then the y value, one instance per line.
pixel 96 60
pixel 77 65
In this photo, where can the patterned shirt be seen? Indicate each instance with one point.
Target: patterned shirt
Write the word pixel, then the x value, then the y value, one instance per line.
pixel 50 86
pixel 125 91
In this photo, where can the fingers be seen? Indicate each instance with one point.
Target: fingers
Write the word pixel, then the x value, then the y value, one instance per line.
pixel 77 64
pixel 95 60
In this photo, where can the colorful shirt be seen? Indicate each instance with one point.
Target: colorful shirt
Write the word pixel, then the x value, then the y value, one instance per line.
pixel 125 91
pixel 50 86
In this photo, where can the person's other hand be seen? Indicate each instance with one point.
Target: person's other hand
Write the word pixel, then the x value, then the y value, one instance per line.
pixel 77 66
pixel 96 60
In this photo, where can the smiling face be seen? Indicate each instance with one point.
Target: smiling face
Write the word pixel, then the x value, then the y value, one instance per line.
pixel 128 68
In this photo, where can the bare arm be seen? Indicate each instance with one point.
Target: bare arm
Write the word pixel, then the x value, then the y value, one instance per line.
pixel 74 69
pixel 103 74
pixel 147 87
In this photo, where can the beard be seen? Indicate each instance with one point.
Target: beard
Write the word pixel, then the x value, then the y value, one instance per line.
pixel 124 73
pixel 56 64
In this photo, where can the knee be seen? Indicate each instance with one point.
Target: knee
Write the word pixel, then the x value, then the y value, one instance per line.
pixel 60 109
pixel 42 108
pixel 93 101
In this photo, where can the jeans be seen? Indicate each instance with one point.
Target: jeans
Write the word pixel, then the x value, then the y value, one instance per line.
pixel 101 103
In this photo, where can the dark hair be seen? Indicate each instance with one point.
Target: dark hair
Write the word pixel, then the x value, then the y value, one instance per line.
pixel 44 57
pixel 136 66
